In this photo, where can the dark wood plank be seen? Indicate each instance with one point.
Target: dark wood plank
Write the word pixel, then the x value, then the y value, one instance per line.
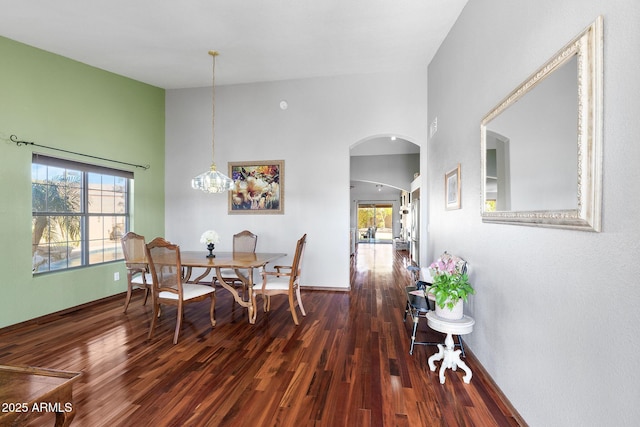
pixel 347 363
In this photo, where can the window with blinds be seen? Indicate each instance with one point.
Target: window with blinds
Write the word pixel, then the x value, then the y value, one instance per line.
pixel 79 213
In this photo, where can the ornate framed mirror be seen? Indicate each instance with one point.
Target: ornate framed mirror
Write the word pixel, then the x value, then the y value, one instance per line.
pixel 541 147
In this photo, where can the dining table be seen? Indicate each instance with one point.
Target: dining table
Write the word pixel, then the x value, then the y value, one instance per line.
pixel 239 261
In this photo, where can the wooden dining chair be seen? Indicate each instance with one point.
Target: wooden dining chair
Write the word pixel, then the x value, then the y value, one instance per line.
pixel 285 280
pixel 244 241
pixel 168 288
pixel 135 258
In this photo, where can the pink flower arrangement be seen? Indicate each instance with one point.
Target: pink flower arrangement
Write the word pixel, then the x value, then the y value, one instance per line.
pixel 450 281
pixel 440 266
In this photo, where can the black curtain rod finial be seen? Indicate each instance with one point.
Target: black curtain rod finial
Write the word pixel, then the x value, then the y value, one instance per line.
pixel 15 139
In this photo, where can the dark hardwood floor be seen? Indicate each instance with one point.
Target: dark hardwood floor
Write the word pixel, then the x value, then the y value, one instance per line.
pixel 346 364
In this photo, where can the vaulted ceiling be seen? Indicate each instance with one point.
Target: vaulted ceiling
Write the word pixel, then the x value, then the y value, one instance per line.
pixel 165 43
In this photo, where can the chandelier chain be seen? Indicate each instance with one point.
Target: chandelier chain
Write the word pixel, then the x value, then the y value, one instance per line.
pixel 213 54
pixel 212 181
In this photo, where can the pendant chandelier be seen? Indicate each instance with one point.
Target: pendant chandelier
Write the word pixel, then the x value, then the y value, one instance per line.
pixel 212 181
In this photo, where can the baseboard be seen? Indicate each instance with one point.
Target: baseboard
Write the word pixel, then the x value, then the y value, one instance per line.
pixel 322 288
pixel 55 315
pixel 501 396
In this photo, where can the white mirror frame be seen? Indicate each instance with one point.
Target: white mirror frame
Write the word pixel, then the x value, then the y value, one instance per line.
pixel 588 47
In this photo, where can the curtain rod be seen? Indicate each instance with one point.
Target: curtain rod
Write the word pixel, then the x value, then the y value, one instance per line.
pixel 14 138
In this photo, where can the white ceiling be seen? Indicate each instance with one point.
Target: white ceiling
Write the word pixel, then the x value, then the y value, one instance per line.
pixel 384 145
pixel 165 42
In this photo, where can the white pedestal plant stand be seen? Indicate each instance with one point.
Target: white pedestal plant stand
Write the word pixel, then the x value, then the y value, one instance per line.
pixel 449 356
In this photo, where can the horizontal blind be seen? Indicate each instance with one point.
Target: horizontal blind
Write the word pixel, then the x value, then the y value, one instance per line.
pixel 85 167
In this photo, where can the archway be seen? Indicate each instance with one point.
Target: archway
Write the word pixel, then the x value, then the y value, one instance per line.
pixel 383 170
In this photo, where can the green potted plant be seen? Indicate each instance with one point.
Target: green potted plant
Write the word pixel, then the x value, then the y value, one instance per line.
pixel 450 286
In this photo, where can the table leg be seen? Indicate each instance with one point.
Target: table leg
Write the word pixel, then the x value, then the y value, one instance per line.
pixel 63 419
pixel 252 312
pixel 187 274
pixel 436 357
pixel 236 296
pixel 465 368
pixel 65 401
pixel 450 359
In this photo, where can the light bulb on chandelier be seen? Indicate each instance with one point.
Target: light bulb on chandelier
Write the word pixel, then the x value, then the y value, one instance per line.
pixel 212 181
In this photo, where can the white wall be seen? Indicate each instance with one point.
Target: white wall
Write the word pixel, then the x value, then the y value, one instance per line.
pixel 313 136
pixel 556 310
pixel 395 170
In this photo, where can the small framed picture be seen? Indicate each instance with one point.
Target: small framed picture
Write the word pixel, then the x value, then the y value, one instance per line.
pixel 258 187
pixel 452 189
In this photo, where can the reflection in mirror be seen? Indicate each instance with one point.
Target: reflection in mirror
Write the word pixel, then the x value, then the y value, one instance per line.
pixel 541 146
pixel 538 139
pixel 498 177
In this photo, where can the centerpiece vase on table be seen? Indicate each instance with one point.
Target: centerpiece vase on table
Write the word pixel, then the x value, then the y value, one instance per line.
pixel 210 238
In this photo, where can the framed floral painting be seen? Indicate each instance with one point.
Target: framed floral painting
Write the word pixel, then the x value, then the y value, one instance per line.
pixel 452 189
pixel 258 187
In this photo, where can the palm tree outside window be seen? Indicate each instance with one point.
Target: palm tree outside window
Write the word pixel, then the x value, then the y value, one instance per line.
pixel 79 213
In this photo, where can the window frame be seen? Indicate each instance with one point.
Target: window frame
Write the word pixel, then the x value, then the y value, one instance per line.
pixel 86 239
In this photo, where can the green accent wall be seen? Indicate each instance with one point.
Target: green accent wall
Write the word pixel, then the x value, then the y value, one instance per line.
pixel 55 101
